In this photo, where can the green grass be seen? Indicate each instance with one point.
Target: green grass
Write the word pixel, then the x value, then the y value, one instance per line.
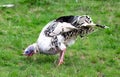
pixel 97 55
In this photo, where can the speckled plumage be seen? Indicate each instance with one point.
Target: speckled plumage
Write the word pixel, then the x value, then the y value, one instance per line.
pixel 62 32
pixel 75 21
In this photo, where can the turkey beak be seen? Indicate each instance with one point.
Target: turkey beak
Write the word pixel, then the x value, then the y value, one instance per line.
pixel 23 54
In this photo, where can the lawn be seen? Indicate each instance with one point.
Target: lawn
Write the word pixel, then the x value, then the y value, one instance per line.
pixel 96 55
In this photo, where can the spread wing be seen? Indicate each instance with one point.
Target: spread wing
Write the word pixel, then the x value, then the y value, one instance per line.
pixel 56 28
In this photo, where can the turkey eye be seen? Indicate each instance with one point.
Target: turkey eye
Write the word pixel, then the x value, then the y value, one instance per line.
pixel 27 51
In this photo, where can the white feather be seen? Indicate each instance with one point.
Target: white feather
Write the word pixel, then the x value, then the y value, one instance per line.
pixel 62 27
pixel 44 42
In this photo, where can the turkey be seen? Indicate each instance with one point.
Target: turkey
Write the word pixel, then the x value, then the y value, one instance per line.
pixel 60 33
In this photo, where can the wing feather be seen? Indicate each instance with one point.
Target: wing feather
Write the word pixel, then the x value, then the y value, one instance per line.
pixel 60 28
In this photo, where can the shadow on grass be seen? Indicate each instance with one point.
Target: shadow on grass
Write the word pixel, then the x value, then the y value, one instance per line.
pixel 39 59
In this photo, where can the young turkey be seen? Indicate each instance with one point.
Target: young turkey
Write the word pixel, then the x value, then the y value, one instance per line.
pixel 60 33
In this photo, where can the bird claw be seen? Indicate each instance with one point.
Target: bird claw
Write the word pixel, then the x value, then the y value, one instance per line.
pixel 60 62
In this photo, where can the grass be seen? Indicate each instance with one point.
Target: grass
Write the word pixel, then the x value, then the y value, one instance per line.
pixel 97 55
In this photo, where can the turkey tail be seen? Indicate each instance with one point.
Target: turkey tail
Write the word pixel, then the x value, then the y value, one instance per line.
pixel 101 26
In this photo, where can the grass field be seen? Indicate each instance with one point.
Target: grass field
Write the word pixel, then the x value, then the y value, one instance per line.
pixel 96 55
